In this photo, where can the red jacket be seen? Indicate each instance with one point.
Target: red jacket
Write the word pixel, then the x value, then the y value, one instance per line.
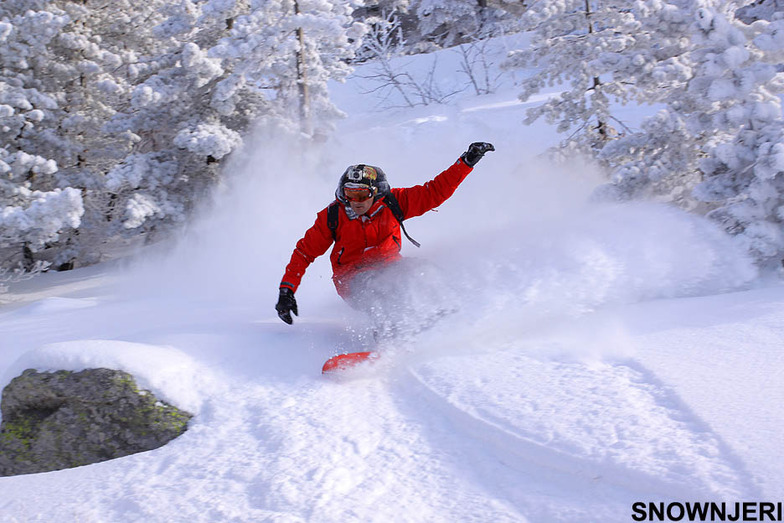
pixel 371 239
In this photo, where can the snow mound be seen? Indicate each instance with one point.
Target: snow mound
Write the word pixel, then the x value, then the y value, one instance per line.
pixel 56 304
pixel 169 373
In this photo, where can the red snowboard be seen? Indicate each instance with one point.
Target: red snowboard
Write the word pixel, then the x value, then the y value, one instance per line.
pixel 343 362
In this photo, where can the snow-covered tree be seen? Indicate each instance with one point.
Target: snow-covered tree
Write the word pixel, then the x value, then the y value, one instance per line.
pixel 429 25
pixel 111 41
pixel 288 50
pixel 230 63
pixel 744 165
pixel 717 145
pixel 662 159
pixel 33 208
pixel 117 116
pixel 66 68
pixel 601 52
pixel 449 22
pixel 180 131
pixel 761 10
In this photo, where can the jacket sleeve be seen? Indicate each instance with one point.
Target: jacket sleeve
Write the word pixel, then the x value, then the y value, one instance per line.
pixel 316 241
pixel 417 200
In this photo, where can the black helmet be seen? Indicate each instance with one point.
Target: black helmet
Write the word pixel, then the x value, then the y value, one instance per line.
pixel 361 174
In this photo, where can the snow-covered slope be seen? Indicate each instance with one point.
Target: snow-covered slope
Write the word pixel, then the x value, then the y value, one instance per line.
pixel 600 355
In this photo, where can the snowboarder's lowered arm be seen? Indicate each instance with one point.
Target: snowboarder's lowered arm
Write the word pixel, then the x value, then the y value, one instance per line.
pixel 286 305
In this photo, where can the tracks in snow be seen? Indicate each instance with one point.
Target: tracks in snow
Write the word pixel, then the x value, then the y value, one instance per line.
pixel 603 434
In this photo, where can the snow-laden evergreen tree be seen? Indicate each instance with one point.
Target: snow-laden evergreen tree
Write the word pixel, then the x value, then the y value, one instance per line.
pixel 109 40
pixel 66 68
pixel 602 52
pixel 115 117
pixel 449 22
pixel 429 25
pixel 38 132
pixel 660 159
pixel 230 63
pixel 288 50
pixel 717 145
pixel 744 165
pixel 174 114
pixel 761 10
pixel 22 109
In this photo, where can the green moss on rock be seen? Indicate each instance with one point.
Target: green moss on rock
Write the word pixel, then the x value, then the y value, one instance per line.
pixel 67 419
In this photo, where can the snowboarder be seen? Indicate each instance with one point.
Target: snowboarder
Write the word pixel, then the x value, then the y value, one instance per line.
pixel 364 223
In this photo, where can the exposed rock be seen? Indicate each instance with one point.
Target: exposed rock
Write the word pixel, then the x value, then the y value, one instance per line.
pixel 53 421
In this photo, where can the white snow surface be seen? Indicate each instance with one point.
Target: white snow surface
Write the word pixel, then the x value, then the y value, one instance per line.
pixel 601 354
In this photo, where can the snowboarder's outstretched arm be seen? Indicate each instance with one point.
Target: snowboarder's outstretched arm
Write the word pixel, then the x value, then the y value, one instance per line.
pixel 417 200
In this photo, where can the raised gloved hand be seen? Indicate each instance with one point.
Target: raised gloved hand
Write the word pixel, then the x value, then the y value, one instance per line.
pixel 475 152
pixel 286 305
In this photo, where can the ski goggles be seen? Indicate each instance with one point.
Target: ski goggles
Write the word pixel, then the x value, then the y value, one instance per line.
pixel 357 194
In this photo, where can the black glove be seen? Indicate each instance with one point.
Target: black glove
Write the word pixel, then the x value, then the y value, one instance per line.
pixel 475 152
pixel 286 305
